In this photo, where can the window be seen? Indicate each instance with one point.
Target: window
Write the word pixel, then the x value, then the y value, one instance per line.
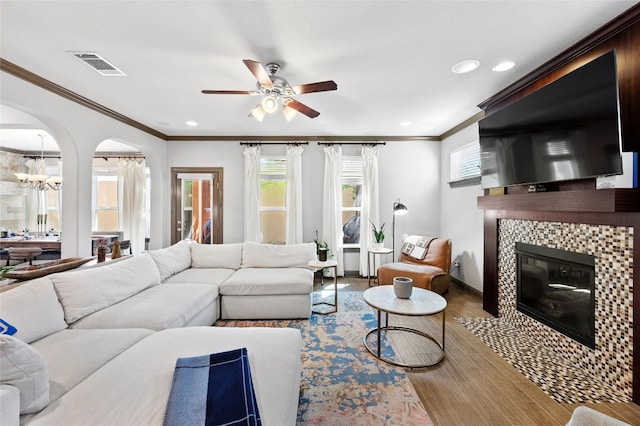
pixel 351 199
pixel 273 193
pixel 104 203
pixel 465 165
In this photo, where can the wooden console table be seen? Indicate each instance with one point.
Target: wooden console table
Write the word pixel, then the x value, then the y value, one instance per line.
pixel 45 243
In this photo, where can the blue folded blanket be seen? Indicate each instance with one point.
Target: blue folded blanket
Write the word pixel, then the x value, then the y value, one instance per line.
pixel 213 390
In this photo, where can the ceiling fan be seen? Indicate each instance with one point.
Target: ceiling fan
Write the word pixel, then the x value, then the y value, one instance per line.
pixel 277 92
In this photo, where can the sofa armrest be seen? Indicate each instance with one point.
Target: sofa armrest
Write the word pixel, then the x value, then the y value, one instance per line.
pixel 9 405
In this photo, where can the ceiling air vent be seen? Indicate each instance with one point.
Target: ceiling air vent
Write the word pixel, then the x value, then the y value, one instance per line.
pixel 98 63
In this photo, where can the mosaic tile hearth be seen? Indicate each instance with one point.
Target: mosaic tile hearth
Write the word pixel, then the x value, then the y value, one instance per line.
pixel 612 247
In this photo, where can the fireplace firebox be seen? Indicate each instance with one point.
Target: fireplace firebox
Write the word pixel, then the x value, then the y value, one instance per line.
pixel 556 287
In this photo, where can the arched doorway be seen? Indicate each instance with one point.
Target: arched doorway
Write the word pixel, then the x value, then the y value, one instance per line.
pixel 30 187
pixel 120 202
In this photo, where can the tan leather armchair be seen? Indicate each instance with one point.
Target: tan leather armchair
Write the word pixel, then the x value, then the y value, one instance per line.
pixel 430 273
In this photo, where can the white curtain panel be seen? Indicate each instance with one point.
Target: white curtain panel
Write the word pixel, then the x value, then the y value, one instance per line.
pixel 252 194
pixel 60 192
pixel 370 203
pixel 293 215
pixel 332 204
pixel 131 208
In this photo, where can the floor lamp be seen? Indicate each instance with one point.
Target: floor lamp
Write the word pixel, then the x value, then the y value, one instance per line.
pixel 399 209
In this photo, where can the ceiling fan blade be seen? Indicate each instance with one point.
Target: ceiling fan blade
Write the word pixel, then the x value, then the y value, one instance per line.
pixel 259 73
pixel 229 92
pixel 322 86
pixel 302 108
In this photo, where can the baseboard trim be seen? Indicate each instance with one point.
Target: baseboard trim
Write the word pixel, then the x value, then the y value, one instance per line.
pixel 466 287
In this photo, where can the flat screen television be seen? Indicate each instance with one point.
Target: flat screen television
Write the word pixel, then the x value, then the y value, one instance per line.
pixel 566 130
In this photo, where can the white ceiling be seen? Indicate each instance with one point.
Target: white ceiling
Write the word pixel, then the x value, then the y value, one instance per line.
pixel 391 60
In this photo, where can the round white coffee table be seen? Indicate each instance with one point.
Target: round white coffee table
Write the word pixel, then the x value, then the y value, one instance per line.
pixel 421 303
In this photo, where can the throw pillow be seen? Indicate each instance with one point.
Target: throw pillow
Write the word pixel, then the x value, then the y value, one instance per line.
pixel 6 328
pixel 416 246
pixel 23 367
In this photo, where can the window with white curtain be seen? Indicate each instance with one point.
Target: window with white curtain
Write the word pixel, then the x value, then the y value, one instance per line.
pixel 104 202
pixel 465 165
pixel 351 199
pixel 273 190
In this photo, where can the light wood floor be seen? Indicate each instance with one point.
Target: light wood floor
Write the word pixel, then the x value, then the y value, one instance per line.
pixel 473 385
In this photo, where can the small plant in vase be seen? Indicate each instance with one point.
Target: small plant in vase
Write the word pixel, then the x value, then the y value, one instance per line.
pixel 322 249
pixel 102 244
pixel 378 235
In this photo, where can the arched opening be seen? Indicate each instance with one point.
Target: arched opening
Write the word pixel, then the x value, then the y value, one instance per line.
pixel 121 197
pixel 30 187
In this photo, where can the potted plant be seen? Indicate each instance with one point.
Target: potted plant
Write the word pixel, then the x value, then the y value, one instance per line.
pixel 378 234
pixel 322 249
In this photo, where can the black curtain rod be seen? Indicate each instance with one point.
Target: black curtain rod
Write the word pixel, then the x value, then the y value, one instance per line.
pixel 106 157
pixel 36 157
pixel 352 143
pixel 274 143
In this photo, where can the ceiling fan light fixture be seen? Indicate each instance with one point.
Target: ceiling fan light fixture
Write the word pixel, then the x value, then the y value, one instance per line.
pixel 288 113
pixel 258 113
pixel 269 104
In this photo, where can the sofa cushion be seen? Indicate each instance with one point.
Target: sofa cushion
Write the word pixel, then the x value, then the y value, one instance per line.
pixel 157 308
pixel 73 355
pixel 23 367
pixel 263 281
pixel 82 292
pixel 139 380
pixel 33 309
pixel 228 256
pixel 255 255
pixel 173 259
pixel 214 276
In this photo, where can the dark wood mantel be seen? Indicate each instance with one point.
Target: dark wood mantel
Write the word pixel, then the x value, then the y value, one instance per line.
pixel 593 200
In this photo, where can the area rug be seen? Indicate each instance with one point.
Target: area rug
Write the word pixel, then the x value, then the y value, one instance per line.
pixel 342 383
pixel 561 381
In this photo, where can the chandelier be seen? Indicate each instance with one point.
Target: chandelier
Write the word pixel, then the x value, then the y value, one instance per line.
pixel 39 182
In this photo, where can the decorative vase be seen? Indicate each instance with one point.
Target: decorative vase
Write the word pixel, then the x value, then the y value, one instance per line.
pixel 402 287
pixel 322 255
pixel 378 246
pixel 102 254
pixel 115 250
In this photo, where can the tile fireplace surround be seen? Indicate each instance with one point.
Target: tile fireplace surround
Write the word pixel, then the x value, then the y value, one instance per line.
pixel 612 247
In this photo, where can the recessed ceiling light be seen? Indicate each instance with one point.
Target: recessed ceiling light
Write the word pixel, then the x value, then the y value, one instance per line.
pixel 191 123
pixel 503 66
pixel 405 123
pixel 465 66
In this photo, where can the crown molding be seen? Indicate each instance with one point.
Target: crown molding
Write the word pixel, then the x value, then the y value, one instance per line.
pixel 26 75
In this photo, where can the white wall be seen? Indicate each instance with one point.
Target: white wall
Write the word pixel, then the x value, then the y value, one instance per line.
pixel 462 221
pixel 78 131
pixel 407 170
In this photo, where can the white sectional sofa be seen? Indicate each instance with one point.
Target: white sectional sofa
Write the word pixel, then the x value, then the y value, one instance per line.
pixel 255 281
pixel 98 345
